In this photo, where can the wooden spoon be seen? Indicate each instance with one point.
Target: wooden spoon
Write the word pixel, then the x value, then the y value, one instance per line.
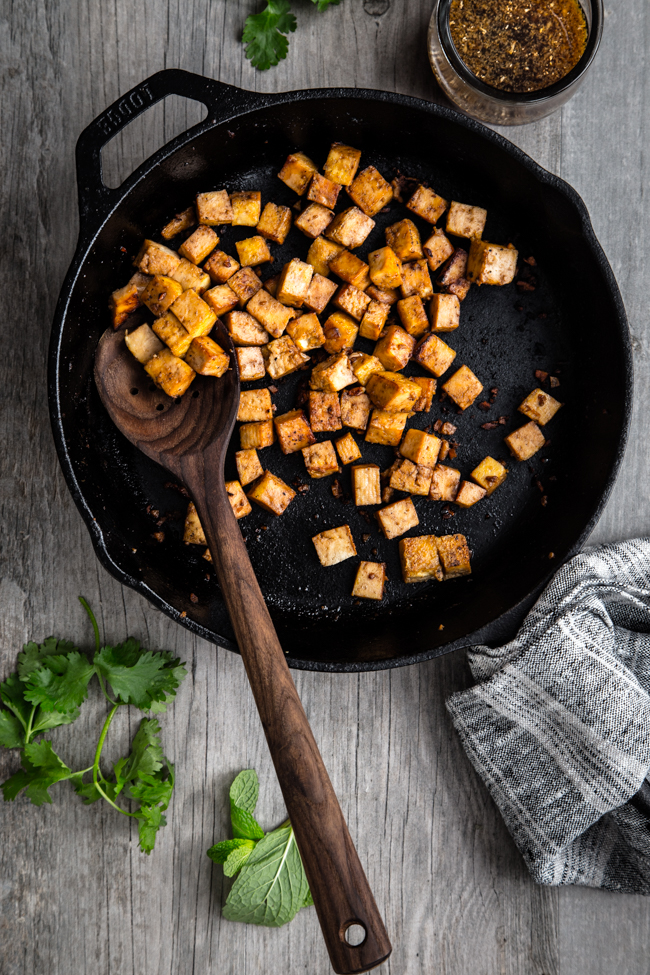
pixel 189 437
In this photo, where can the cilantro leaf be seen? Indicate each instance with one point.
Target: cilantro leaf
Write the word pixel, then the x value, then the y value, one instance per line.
pixel 42 768
pixel 61 683
pixel 46 720
pixel 150 820
pixel 12 694
pixel 34 654
pixel 264 33
pixel 146 755
pixel 324 4
pixel 138 676
pixel 153 792
pixel 12 731
pixel 245 790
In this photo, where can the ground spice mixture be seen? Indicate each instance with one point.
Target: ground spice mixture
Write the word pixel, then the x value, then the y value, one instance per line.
pixel 518 45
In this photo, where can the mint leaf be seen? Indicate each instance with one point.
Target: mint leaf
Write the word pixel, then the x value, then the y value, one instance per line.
pixel 138 676
pixel 309 900
pixel 60 683
pixel 244 826
pixel 34 654
pixel 42 768
pixel 264 33
pixel 220 852
pixel 236 860
pixel 245 790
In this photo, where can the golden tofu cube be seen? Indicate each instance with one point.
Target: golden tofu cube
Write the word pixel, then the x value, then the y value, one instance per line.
pixel 342 163
pixel 428 387
pixel 388 296
pixel 250 363
pixel 463 387
pixel 221 267
pixel 350 268
pixel 271 285
pixel 272 494
pixel 297 172
pixel 364 365
pixel 491 263
pixel 320 459
pixel 416 280
pixel 321 253
pixel 206 357
pixel 281 357
pixel 275 223
pixel 398 518
pixel 395 348
pixel 335 545
pixel 466 221
pixel 539 406
pixel 444 450
pixel 245 283
pixel 340 332
pixel 140 281
pixel 347 449
pixel 390 391
pixel 419 559
pixel 199 244
pixel 459 288
pixel 370 580
pixel 454 269
pixel 427 204
pixel 333 374
pixel 306 332
pixel 454 555
pixel 188 275
pixel 468 494
pixel 214 208
pixel 313 220
pixel 160 294
pixel 169 329
pixel 489 474
pixel 294 282
pixel 248 465
pixel 444 483
pixel 123 303
pixel 366 484
pixel 256 435
pixel 413 316
pixel 255 405
pixel 253 251
pixel 244 329
pixel 221 299
pixel 170 373
pixel 355 408
pixel 324 411
pixel 193 533
pixel 445 313
pixel 143 343
pixel 386 428
pixel 434 354
pixel 319 293
pixel 293 431
pixel 525 441
pixel 182 221
pixel 420 447
pixel 238 501
pixel 155 258
pixel 404 239
pixel 353 302
pixel 246 208
pixel 323 190
pixel 370 191
pixel 269 312
pixel 350 227
pixel 410 477
pixel 437 249
pixel 194 314
pixel 385 268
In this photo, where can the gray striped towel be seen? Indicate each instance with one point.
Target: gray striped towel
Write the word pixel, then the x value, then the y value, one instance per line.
pixel 558 724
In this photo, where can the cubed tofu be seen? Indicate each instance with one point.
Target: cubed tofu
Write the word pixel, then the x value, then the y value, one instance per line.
pixel 254 405
pixel 293 431
pixel 350 227
pixel 221 299
pixel 170 373
pixel 454 555
pixel 434 354
pixel 355 408
pixel 306 332
pixel 444 483
pixel 206 357
pixel 319 293
pixel 199 244
pixel 353 302
pixel 333 374
pixel 153 258
pixel 297 172
pixel 340 332
pixel 250 363
pixel 410 477
pixel 364 365
pixel 188 275
pixel 468 494
pixel 385 268
pixel 214 208
pixel 342 163
pixel 489 474
pixel 193 533
pixel 321 252
pixel 335 545
pixel 398 518
pixel 539 406
pixel 370 191
pixel 275 223
pixel 294 282
pixel 388 296
pixel 491 263
pixel 171 332
pixel 454 269
pixel 253 251
pixel 370 581
pixel 143 343
pixel 123 303
pixel 350 268
pixel 324 411
pixel 386 428
pixel 445 313
pixel 416 280
pixel 525 441
pixel 272 494
pixel 444 450
pixel 322 190
pixel 413 316
pixel 269 312
pixel 427 204
pixel 246 208
pixel 256 435
pixel 271 285
pixel 140 281
pixel 374 320
pixel 390 391
pixel 420 447
pixel 238 501
pixel 245 283
pixel 460 288
pixel 419 559
pixel 404 238
pixel 395 348
pixel 467 221
pixel 160 294
pixel 428 387
pixel 248 465
pixel 221 267
pixel 437 249
pixel 244 329
pixel 366 484
pixel 463 387
pixel 320 459
pixel 281 357
pixel 194 314
pixel 182 221
pixel 314 220
pixel 347 449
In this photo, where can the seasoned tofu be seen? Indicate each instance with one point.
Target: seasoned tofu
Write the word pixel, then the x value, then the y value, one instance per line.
pixel 370 581
pixel 350 228
pixel 155 258
pixel 463 387
pixel 254 405
pixel 426 203
pixel 489 474
pixel 444 483
pixel 199 244
pixel 245 283
pixel 321 252
pixel 342 163
pixel 340 332
pixel 182 221
pixel 221 267
pixel 374 320
pixel 353 302
pixel 491 263
pixel 539 406
pixel 466 221
pixel 293 431
pixel 347 449
pixel 434 354
pixel 256 435
pixel 253 251
pixel 193 533
pixel 324 411
pixel 419 559
pixel 333 374
pixel 370 191
pixel 269 312
pixel 275 223
pixel 366 484
pixel 214 208
pixel 244 329
pixel 395 348
pixel 351 269
pixel 238 500
pixel 320 459
pixel 525 441
pixel 410 477
pixel 170 373
pixel 297 172
pixel 206 357
pixel 420 447
pixel 271 285
pixel 445 313
pixel 413 316
pixel 335 545
pixel 386 295
pixel 143 343
pixel 323 191
pixel 416 280
pixel 246 208
pixel 160 294
pixel 188 275
pixel 454 555
pixel 403 237
pixel 250 363
pixel 281 357
pixel 294 282
pixel 454 269
pixel 355 408
pixel 171 332
pixel 364 365
pixel 248 465
pixel 314 220
pixel 437 249
pixel 385 268
pixel 398 518
pixel 221 299
pixel 428 387
pixel 386 428
pixel 306 332
pixel 319 293
pixel 468 494
pixel 393 392
pixel 123 303
pixel 272 494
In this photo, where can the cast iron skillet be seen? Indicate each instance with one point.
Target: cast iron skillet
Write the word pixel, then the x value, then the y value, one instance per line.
pixel 571 325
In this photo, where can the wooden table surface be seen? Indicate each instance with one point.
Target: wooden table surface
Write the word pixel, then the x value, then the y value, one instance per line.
pixel 77 895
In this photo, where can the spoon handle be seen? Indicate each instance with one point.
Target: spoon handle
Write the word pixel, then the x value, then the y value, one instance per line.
pixel 338 884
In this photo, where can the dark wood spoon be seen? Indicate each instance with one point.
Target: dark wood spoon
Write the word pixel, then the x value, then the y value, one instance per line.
pixel 189 437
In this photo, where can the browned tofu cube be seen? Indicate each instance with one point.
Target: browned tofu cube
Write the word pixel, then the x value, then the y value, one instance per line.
pixel 281 357
pixel 340 331
pixel 294 282
pixel 140 281
pixel 398 518
pixel 410 477
pixel 390 391
pixel 193 533
pixel 347 449
pixel 404 238
pixel 395 348
pixel 324 411
pixel 351 301
pixel 250 363
pixel 160 294
pixel 272 494
pixel 463 387
pixel 454 269
pixel 364 365
pixel 244 329
pixel 214 208
pixel 385 268
pixel 255 405
pixel 437 249
pixel 306 332
pixel 199 244
pixel 445 313
pixel 460 288
pixel 245 283
pixel 323 191
pixel 350 228
pixel 333 374
pixel 221 299
pixel 153 258
pixel 297 172
pixel 188 275
pixel 434 354
pixel 271 285
pixel 170 373
pixel 370 580
pixel 335 545
pixel 366 484
pixel 466 221
pixel 314 220
pixel 427 204
pixel 275 223
pixel 419 559
pixel 321 253
pixel 342 163
pixel 444 483
pixel 420 447
pixel 373 321
pixel 428 387
pixel 182 221
pixel 386 295
pixel 143 343
pixel 416 280
pixel 248 465
pixel 444 450
pixel 489 474
pixel 355 408
pixel 350 268
pixel 238 500
pixel 293 431
pixel 491 263
pixel 221 267
pixel 269 312
pixel 207 358
pixel 123 303
pixel 256 435
pixel 539 406
pixel 171 332
pixel 454 555
pixel 386 428
pixel 468 494
pixel 253 251
pixel 194 314
pixel 413 316
pixel 525 441
pixel 320 459
pixel 246 207
pixel 319 293
pixel 370 191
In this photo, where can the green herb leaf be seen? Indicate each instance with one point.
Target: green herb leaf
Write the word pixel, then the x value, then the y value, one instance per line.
pixel 61 683
pixel 150 820
pixel 14 726
pixel 146 755
pixel 34 654
pixel 324 4
pixel 309 900
pixel 236 860
pixel 12 732
pixel 264 33
pixel 42 768
pixel 245 790
pixel 220 852
pixel 137 676
pixel 244 826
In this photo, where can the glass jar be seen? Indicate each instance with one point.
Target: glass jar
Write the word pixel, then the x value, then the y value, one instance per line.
pixel 488 104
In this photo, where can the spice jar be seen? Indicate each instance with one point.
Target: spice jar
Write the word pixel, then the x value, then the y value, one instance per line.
pixel 523 69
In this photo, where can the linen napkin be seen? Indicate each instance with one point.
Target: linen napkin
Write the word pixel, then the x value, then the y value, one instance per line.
pixel 558 723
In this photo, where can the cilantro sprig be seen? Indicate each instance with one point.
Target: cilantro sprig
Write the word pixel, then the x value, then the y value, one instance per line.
pixel 47 690
pixel 265 33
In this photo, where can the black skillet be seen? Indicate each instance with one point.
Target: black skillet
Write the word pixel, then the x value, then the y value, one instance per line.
pixel 571 325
